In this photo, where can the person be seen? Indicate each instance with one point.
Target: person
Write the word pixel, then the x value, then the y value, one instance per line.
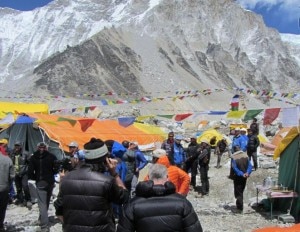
pixel 213 142
pixel 254 126
pixel 167 145
pixel 253 143
pixel 157 207
pixel 240 139
pixel 177 176
pixel 116 151
pixel 20 159
pixel 191 162
pixel 76 153
pixel 42 168
pixel 4 147
pixel 130 162
pixel 242 169
pixel 4 150
pixel 243 139
pixel 140 163
pixel 7 175
pixel 177 154
pixel 88 192
pixel 204 159
pixel 221 147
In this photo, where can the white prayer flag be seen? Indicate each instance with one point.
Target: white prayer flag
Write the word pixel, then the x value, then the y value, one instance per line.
pixel 290 116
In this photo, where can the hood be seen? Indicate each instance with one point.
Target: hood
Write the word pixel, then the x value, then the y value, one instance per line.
pixel 164 160
pixel 148 189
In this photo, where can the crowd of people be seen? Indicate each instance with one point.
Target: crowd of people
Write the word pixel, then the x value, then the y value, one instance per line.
pixel 99 188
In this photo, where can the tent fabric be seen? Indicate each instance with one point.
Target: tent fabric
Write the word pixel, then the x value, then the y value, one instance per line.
pixel 289 170
pixel 63 133
pixel 18 108
pixel 269 147
pixel 294 228
pixel 280 135
pixel 293 132
pixel 208 134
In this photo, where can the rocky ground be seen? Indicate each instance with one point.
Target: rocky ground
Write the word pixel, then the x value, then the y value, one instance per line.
pixel 214 211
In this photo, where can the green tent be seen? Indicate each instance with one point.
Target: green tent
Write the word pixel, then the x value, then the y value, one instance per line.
pixel 289 170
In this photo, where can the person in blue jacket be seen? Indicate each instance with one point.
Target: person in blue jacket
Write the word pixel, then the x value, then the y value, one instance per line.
pixel 178 153
pixel 242 169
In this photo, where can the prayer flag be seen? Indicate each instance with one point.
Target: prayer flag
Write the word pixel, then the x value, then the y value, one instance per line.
pixel 270 115
pixel 235 103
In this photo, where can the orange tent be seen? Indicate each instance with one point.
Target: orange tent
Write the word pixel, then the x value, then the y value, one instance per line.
pixel 66 129
pixel 294 228
pixel 270 147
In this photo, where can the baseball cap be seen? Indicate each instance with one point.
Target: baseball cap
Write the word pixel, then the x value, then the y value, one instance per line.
pixel 159 153
pixel 73 144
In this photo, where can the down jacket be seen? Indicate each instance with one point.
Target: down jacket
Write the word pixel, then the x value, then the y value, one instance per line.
pixel 158 208
pixel 87 198
pixel 177 176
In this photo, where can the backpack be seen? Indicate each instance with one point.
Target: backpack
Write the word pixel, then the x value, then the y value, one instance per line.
pixel 129 159
pixel 222 146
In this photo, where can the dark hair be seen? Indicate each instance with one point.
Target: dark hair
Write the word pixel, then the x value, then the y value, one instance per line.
pixel 109 143
pixel 93 144
pixel 125 143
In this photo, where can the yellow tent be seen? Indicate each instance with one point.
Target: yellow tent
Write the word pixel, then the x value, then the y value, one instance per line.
pixel 18 108
pixel 208 134
pixel 293 132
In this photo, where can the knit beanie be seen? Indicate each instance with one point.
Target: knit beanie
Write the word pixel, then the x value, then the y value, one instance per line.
pixel 95 149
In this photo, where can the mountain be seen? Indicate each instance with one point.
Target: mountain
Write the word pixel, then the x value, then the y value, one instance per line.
pixel 145 47
pixel 293 44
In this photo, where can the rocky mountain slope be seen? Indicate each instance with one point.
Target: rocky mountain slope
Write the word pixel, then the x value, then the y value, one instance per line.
pixel 144 47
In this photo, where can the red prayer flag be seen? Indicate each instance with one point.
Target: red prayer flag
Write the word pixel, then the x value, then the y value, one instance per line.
pixel 270 115
pixel 85 123
pixel 180 117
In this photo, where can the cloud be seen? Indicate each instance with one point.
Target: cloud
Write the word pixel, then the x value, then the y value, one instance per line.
pixel 288 9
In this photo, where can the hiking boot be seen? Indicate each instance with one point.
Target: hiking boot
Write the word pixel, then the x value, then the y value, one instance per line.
pixel 29 205
pixel 236 211
pixel 199 195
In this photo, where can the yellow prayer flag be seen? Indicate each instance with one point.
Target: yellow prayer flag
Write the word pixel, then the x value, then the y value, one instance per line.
pixel 236 114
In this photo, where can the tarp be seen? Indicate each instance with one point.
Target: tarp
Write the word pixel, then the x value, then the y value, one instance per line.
pixel 289 170
pixel 63 132
pixel 58 132
pixel 18 108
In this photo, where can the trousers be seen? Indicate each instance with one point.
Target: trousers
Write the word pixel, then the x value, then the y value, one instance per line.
pixel 3 206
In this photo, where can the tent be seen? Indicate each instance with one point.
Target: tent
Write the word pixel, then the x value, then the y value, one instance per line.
pixel 58 132
pixel 292 228
pixel 208 134
pixel 22 108
pixel 288 151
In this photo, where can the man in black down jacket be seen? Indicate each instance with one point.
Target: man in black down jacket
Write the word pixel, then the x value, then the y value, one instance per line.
pixel 87 193
pixel 42 167
pixel 157 207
